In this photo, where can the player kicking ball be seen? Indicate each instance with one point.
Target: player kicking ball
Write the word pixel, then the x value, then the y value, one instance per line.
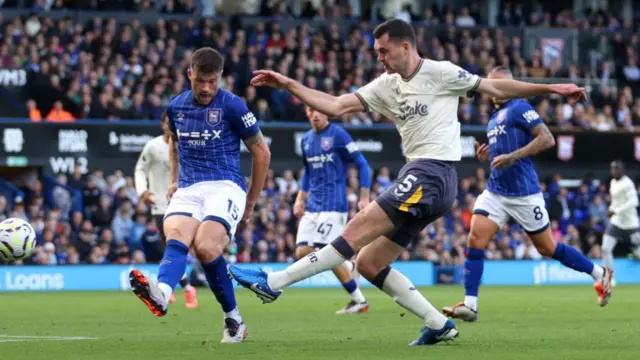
pixel 321 205
pixel 207 197
pixel 152 177
pixel 624 223
pixel 421 96
pixel 515 134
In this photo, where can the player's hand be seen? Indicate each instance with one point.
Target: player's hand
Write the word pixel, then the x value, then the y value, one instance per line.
pixel 299 209
pixel 147 198
pixel 248 212
pixel 482 152
pixel 572 92
pixel 172 188
pixel 503 161
pixel 363 203
pixel 270 79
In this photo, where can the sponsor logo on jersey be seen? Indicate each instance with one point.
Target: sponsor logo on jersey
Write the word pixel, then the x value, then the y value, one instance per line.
pixel 409 111
pixel 248 120
pixel 531 115
pixel 213 116
pixel 199 138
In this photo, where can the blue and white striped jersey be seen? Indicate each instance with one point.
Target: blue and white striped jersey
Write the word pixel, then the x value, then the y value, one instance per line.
pixel 326 156
pixel 509 129
pixel 209 136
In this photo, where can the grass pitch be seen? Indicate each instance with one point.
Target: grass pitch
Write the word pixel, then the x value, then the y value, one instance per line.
pixel 515 323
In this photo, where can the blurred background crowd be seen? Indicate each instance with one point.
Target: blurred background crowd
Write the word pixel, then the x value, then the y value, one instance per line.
pixel 107 68
pixel 114 70
pixel 112 226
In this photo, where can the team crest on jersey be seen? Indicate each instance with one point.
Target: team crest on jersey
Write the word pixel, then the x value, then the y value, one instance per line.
pixel 213 116
pixel 501 116
pixel 326 143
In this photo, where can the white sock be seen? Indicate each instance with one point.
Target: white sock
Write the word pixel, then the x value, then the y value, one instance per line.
pixel 608 244
pixel 597 273
pixel 188 287
pixel 471 302
pixel 357 296
pixel 234 314
pixel 166 290
pixel 322 260
pixel 406 295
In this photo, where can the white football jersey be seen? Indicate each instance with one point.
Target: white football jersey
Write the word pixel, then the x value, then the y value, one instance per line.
pixel 424 107
pixel 624 201
pixel 153 173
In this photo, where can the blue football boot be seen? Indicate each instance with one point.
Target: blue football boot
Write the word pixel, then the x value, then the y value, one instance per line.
pixel 432 337
pixel 256 281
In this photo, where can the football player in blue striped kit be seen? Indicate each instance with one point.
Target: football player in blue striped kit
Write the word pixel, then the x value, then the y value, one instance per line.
pixel 515 133
pixel 321 205
pixel 207 196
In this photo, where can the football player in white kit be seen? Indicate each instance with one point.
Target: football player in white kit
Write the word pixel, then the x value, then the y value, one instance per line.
pixel 421 96
pixel 624 223
pixel 152 178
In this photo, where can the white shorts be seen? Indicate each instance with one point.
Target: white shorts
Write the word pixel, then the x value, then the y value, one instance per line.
pixel 221 201
pixel 528 211
pixel 320 228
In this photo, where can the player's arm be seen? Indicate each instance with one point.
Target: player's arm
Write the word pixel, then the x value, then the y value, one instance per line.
pixel 349 151
pixel 457 81
pixel 245 125
pixel 300 205
pixel 141 172
pixel 333 106
pixel 525 116
pixel 261 157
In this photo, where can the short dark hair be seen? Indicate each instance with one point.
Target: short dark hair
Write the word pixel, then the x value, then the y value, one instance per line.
pixel 398 30
pixel 207 60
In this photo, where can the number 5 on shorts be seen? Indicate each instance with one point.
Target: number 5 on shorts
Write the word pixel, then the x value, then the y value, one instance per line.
pixel 233 210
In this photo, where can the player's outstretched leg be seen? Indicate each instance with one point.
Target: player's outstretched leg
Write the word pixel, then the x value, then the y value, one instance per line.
pixel 190 299
pixel 482 231
pixel 344 273
pixel 572 258
pixel 180 231
pixel 364 228
pixel 374 264
pixel 209 244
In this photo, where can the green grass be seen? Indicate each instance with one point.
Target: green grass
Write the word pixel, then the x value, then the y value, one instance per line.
pixel 515 323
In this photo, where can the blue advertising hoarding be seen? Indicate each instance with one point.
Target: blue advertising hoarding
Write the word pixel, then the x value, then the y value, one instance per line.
pixel 421 273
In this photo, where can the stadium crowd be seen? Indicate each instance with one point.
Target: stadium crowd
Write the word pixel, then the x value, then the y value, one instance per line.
pixel 111 70
pixel 114 227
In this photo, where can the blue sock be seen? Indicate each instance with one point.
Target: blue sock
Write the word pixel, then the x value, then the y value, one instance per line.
pixel 220 283
pixel 473 268
pixel 570 257
pixel 173 264
pixel 350 286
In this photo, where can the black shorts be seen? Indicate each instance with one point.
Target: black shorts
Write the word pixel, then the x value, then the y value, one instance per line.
pixel 424 191
pixel 621 234
pixel 160 224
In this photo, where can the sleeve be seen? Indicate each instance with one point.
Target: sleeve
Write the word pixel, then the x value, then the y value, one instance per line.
pixel 371 95
pixel 168 113
pixel 243 122
pixel 142 169
pixel 350 152
pixel 526 116
pixel 457 81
